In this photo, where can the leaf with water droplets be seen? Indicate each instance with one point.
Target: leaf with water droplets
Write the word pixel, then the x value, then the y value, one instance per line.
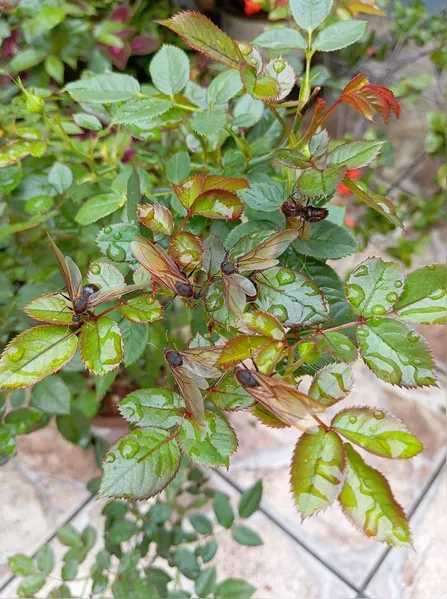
pixel 374 286
pixel 144 308
pixel 368 502
pixel 114 241
pixel 153 407
pixel 34 354
pixel 331 384
pixel 210 444
pixel 396 353
pixel 377 432
pixel 264 323
pixel 105 275
pixel 338 346
pixel 18 150
pixel 316 471
pixel 140 464
pixel 53 308
pixel 101 345
pixel 423 297
pixel 290 296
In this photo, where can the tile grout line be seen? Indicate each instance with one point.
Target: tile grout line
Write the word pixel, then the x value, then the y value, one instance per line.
pixel 277 522
pixel 52 535
pixel 428 485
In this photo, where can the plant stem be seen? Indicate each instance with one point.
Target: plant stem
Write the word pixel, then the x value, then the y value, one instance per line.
pixel 279 118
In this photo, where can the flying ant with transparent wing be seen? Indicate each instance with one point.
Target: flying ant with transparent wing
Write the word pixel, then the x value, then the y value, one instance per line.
pixel 85 297
pixel 300 213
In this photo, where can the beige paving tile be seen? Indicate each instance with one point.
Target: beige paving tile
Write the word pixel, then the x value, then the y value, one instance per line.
pixel 418 573
pixel 329 534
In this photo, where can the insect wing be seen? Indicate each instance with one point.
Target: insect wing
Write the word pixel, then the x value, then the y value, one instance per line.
pixel 110 293
pixel 189 390
pixel 76 277
pixel 201 361
pixel 265 255
pixel 159 265
pixel 235 289
pixel 64 269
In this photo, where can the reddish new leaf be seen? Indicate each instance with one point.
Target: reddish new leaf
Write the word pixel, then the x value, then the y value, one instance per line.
pixel 366 98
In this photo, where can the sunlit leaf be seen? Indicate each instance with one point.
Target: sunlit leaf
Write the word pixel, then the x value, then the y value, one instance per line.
pixel 217 203
pixel 144 308
pixel 210 444
pixel 50 308
pixel 331 384
pixel 367 500
pixel 187 250
pixel 264 323
pixel 259 86
pixel 140 464
pixel 153 407
pixel 423 297
pixel 267 197
pixel 376 431
pixel 316 471
pixel 396 353
pixel 374 286
pixel 35 354
pixel 101 345
pixel 240 347
pixel 114 241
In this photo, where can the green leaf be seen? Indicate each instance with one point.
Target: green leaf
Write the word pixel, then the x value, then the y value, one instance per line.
pixel 88 537
pixel 234 588
pixel 218 204
pixel 246 536
pixel 205 582
pixel 144 308
pixel 396 353
pixel 290 296
pixel 355 154
pixel 377 432
pixel 207 551
pixel 98 207
pixel 338 346
pixel 39 205
pixel 69 536
pixel 202 35
pixel 153 407
pixel 328 241
pixel 106 88
pixel 31 585
pixel 250 500
pixel 259 86
pixel 45 559
pixel 339 35
pixel 101 345
pixel 308 14
pixel 223 88
pixel 318 143
pixel 423 297
pixel 210 444
pixel 247 111
pixel 209 122
pixel 281 38
pixel 186 562
pixel 35 354
pixel 316 471
pixel 201 524
pixel 292 159
pixel 140 464
pixel 134 339
pixel 10 177
pixel 315 182
pixel 18 150
pixel 169 70
pixel 213 255
pixel 374 286
pixel 51 395
pixel 50 308
pixel 20 564
pixel 99 583
pixel 228 395
pixel 141 111
pixel 22 421
pixel 87 121
pixel 267 197
pixel 104 275
pixel 331 384
pixel 114 246
pixel 69 570
pixel 7 442
pixel 178 167
pixel 223 510
pixel 381 204
pixel 75 427
pixel 366 499
pixel 27 59
pixel 133 195
pixel 55 68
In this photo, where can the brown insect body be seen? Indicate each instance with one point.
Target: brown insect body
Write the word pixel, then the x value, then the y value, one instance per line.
pixel 299 216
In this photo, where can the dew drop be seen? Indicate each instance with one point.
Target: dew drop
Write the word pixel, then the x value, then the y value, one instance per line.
pixel 437 294
pixel 285 276
pixel 107 229
pixel 431 266
pixel 110 458
pixel 95 269
pixel 398 284
pixel 129 448
pixel 378 414
pixel 355 295
pixel 16 353
pixel 280 312
pixel 413 337
pixel 361 271
pixel 375 321
pixel 117 236
pixel 116 252
pixel 363 332
pixel 391 297
pixel 378 309
pixel 416 362
pixel 279 66
pixel 214 302
pixel 352 419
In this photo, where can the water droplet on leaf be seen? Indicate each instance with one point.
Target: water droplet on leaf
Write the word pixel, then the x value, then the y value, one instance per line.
pixel 285 276
pixel 107 229
pixel 214 302
pixel 129 448
pixel 16 353
pixel 391 297
pixel 95 269
pixel 352 419
pixel 280 312
pixel 110 458
pixel 116 252
pixel 117 236
pixel 413 337
pixel 378 414
pixel 378 309
pixel 398 284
